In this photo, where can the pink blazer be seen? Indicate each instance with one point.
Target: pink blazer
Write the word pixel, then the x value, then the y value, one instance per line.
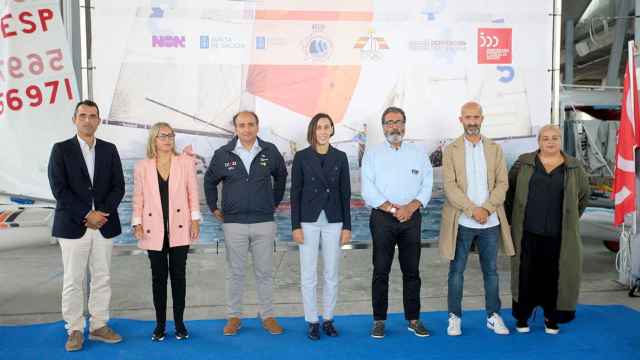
pixel 184 203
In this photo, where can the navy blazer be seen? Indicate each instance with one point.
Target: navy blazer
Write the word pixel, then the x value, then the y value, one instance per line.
pixel 315 188
pixel 71 186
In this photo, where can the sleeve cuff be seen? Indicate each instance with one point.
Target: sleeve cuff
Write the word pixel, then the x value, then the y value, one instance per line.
pixel 136 221
pixel 376 203
pixel 196 215
pixel 489 207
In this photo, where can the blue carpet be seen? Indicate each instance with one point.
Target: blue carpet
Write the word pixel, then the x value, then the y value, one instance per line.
pixel 599 332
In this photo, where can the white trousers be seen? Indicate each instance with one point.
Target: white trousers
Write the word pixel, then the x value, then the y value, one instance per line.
pixel 324 236
pixel 94 250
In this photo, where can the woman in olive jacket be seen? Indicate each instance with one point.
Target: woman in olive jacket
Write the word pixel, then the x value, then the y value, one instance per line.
pixel 548 192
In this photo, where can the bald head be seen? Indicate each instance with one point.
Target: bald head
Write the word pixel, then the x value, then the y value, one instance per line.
pixel 471 119
pixel 470 105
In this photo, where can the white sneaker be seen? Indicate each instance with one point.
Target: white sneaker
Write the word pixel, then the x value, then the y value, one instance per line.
pixel 455 325
pixel 496 324
pixel 551 328
pixel 522 327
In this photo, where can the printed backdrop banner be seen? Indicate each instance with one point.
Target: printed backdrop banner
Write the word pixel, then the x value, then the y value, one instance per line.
pixel 196 63
pixel 38 93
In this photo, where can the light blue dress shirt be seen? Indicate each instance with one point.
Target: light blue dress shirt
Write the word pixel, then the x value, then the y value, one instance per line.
pixel 398 176
pixel 247 156
pixel 477 185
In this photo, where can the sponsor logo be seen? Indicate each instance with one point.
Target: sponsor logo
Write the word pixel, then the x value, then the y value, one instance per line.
pixel 220 42
pixel 204 42
pixel 507 73
pixel 317 46
pixel 438 45
pixel 264 42
pixel 156 12
pixel 433 8
pixel 371 46
pixel 494 46
pixel 231 165
pixel 168 41
pixel 263 160
pixel 261 42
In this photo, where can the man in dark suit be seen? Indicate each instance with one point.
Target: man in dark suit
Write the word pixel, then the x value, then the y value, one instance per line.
pixel 85 175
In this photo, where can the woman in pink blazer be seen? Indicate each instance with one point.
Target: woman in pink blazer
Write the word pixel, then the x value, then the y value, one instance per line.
pixel 166 215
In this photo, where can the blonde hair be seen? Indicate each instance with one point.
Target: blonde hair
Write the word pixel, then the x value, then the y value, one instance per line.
pixel 153 134
pixel 553 127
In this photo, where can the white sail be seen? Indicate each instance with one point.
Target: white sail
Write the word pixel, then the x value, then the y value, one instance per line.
pixel 32 119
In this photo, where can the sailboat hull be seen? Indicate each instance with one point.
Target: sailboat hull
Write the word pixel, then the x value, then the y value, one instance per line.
pixel 24 227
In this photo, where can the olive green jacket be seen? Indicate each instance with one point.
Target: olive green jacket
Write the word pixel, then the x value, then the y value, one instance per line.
pixel 576 195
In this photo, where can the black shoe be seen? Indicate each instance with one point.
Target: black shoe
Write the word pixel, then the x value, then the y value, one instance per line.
pixel 417 328
pixel 551 327
pixel 377 331
pixel 522 326
pixel 329 329
pixel 182 334
pixel 158 334
pixel 314 331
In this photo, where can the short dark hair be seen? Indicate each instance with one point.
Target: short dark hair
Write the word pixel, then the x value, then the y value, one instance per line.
pixel 396 110
pixel 255 116
pixel 88 103
pixel 311 130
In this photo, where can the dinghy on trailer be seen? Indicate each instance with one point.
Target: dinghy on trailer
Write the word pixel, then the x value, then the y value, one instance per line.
pixel 24 224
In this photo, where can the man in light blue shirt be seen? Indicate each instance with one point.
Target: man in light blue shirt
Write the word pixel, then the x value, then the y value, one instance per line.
pixel 396 181
pixel 475 184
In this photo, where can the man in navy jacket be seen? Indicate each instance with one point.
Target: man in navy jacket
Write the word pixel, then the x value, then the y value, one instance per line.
pixel 86 179
pixel 246 166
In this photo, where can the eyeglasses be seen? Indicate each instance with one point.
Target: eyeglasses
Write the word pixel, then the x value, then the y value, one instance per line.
pixel 166 136
pixel 393 123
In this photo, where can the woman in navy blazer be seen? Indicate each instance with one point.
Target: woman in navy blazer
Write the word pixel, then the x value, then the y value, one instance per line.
pixel 320 217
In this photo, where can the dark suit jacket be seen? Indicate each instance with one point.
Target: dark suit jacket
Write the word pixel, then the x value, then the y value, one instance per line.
pixel 71 186
pixel 315 188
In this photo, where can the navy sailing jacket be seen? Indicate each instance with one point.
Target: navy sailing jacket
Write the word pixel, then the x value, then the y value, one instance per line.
pixel 246 198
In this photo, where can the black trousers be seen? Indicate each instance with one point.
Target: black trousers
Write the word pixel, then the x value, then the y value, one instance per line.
pixel 387 232
pixel 538 281
pixel 171 261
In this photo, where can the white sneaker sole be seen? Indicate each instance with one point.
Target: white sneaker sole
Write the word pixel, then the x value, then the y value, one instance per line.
pixel 523 330
pixel 377 336
pixel 234 333
pixel 454 333
pixel 416 334
pixel 551 331
pixel 498 332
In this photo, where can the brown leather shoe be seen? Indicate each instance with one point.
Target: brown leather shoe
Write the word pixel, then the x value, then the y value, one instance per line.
pixel 105 334
pixel 272 326
pixel 232 327
pixel 74 341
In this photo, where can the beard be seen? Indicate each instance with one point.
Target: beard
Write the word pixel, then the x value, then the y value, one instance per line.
pixel 394 137
pixel 472 130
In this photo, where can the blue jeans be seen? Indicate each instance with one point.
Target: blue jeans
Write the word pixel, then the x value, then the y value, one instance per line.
pixel 487 243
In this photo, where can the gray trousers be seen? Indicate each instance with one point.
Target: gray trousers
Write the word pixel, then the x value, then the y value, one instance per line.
pixel 239 240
